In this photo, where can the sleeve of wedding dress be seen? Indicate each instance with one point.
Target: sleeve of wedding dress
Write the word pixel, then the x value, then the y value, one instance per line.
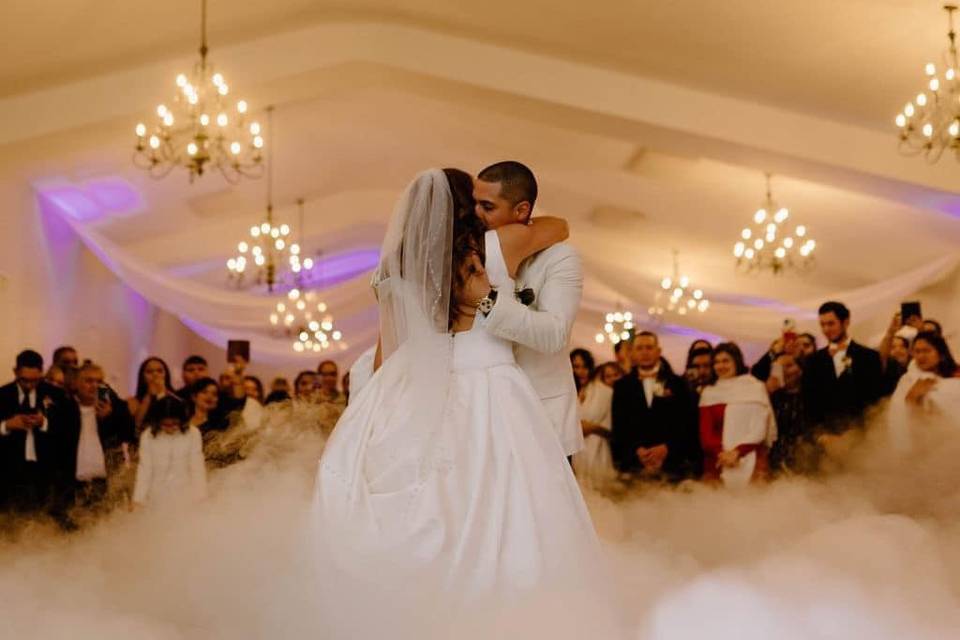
pixel 546 329
pixel 141 487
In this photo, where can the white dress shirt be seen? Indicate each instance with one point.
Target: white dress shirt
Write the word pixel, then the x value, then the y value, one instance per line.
pixel 30 446
pixel 90 461
pixel 838 358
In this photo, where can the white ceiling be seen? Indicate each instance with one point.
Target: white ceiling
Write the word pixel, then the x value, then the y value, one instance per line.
pixel 649 124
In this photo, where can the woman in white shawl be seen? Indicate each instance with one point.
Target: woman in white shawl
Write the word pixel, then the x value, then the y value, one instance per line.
pixel 927 390
pixel 737 427
pixel 593 464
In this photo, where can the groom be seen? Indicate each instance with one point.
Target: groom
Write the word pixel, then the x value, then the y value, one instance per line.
pixel 505 194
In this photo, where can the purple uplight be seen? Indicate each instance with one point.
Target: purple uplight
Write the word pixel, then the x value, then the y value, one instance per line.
pixel 331 270
pixel 116 195
pixel 71 201
pixel 91 200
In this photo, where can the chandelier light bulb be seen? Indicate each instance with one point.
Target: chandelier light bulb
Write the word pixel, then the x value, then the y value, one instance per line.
pixel 204 119
pixel 901 121
pixel 235 148
pixel 322 307
pixel 666 283
pixel 243 246
pixel 217 79
pixel 934 84
pixel 930 69
pixel 141 130
pixel 279 244
pixel 921 99
pixel 788 242
pixel 222 120
pixel 192 148
pixel 801 230
pixel 284 230
pixel 909 110
pixel 154 142
pixel 265 227
pixel 242 106
pixel 760 216
pixel 954 128
pixel 738 249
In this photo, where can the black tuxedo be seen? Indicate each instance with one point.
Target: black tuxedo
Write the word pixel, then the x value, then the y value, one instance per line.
pixel 24 482
pixel 670 419
pixel 838 403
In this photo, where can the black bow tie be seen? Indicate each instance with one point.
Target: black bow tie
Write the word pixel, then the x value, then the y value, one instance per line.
pixel 526 297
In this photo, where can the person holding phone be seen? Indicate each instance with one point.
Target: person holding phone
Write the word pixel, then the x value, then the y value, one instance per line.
pixel 96 441
pixel 29 412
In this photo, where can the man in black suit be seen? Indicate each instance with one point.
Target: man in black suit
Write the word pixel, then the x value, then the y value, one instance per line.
pixel 842 380
pixel 655 424
pixel 30 414
pixel 98 431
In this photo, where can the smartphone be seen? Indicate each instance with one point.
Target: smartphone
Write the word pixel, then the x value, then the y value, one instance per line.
pixel 238 348
pixel 789 330
pixel 909 310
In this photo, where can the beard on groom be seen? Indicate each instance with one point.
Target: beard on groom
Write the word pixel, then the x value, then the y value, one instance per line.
pixel 537 315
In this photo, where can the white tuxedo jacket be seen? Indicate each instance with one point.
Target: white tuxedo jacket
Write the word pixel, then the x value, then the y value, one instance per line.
pixel 541 333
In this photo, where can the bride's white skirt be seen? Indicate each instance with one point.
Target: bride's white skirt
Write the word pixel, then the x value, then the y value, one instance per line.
pixel 475 525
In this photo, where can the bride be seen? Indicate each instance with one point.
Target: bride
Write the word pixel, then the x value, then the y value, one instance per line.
pixel 444 504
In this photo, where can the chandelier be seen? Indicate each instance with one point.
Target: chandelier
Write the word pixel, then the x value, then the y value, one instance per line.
pixel 201 128
pixel 930 124
pixel 301 314
pixel 767 243
pixel 618 326
pixel 676 295
pixel 268 246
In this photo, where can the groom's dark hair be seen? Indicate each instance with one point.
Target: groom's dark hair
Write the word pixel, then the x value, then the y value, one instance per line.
pixel 517 182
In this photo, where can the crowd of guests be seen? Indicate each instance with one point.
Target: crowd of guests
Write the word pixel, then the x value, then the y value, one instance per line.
pixel 723 422
pixel 71 448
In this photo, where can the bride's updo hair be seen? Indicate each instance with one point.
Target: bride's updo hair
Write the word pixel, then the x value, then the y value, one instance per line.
pixel 468 232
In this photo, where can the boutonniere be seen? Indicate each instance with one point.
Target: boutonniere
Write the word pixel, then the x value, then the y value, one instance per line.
pixel 525 296
pixel 47 402
pixel 847 363
pixel 661 391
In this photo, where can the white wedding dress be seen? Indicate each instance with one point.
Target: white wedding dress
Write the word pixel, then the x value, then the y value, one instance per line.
pixel 474 527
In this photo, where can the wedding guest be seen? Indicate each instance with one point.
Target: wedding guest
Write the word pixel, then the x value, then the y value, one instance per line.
pixel 30 414
pixel 96 441
pixel 583 366
pixel 806 347
pixel 654 434
pixel 171 469
pixel 280 384
pixel 275 397
pixel 842 380
pixel 593 464
pixel 929 389
pixel 800 346
pixel 194 368
pixel 794 449
pixel 66 357
pixel 895 355
pixel 931 326
pixel 328 376
pixel 699 369
pixel 54 376
pixel 697 344
pixel 304 386
pixel 609 373
pixel 68 361
pixel 153 383
pixel 737 426
pixel 253 388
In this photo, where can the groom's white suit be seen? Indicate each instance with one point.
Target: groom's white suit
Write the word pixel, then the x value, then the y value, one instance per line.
pixel 541 333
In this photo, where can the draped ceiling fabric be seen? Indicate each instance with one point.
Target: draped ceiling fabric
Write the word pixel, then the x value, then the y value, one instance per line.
pixel 219 314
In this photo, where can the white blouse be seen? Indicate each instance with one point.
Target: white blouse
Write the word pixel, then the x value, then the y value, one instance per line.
pixel 171 468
